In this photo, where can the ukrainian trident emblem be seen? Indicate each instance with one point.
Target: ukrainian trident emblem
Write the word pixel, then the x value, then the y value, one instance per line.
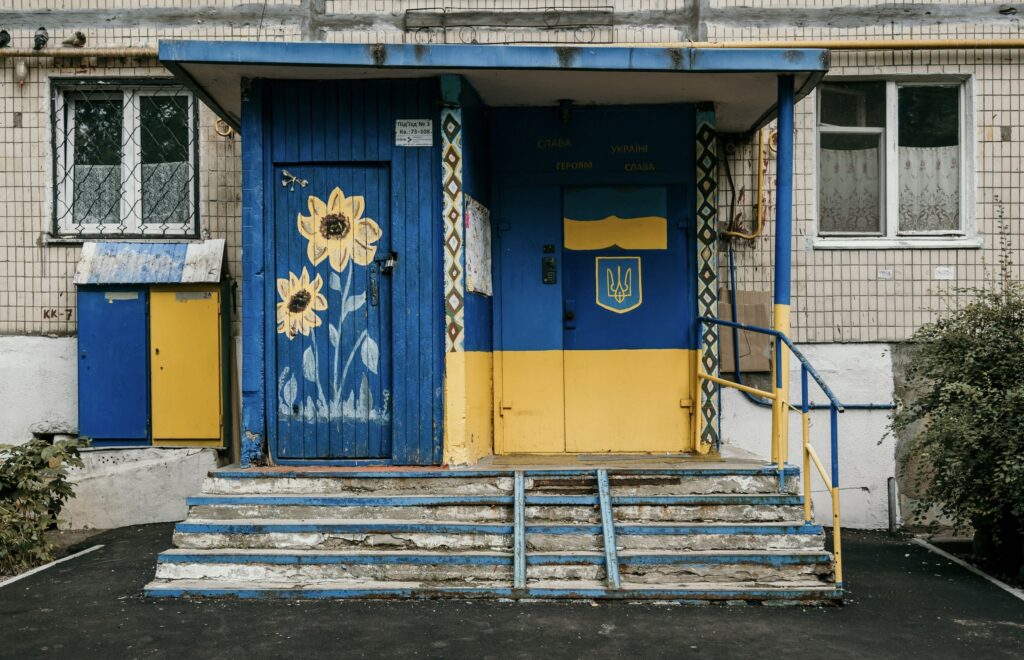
pixel 619 286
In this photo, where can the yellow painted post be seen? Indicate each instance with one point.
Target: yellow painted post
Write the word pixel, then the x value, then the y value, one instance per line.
pixel 806 417
pixel 775 402
pixel 837 549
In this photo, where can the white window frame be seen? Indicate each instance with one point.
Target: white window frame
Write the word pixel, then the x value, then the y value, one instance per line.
pixel 891 237
pixel 132 224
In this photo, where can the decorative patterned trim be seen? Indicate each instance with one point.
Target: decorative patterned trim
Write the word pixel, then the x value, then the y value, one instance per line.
pixel 454 239
pixel 707 270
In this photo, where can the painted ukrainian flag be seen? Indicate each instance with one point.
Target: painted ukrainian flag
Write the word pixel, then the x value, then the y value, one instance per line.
pixel 627 218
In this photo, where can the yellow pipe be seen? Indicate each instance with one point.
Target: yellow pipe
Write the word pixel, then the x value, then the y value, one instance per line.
pixel 759 222
pixel 840 44
pixel 807 467
pixel 741 388
pixel 821 468
pixel 78 53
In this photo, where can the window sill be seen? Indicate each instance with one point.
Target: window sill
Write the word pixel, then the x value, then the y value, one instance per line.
pixel 58 241
pixel 904 243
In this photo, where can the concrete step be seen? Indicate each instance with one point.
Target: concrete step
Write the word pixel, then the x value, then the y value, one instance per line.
pixel 683 481
pixel 320 482
pixel 709 508
pixel 723 507
pixel 684 567
pixel 341 534
pixel 705 482
pixel 467 508
pixel 797 592
pixel 547 537
pixel 310 567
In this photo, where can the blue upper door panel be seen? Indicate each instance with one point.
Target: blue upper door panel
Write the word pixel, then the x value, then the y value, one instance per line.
pixel 113 385
pixel 627 268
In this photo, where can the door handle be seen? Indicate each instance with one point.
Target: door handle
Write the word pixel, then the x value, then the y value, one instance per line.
pixel 569 314
pixel 374 288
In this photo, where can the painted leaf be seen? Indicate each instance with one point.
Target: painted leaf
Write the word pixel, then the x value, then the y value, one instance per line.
pixel 290 391
pixel 335 335
pixel 365 398
pixel 334 282
pixel 352 303
pixel 370 353
pixel 309 368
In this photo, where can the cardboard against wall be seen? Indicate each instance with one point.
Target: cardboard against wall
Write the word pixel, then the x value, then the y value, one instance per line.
pixel 752 308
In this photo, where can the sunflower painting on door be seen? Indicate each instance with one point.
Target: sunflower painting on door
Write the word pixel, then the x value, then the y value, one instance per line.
pixel 335 231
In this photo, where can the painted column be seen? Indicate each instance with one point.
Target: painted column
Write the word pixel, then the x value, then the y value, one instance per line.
pixel 707 398
pixel 253 432
pixel 468 380
pixel 783 263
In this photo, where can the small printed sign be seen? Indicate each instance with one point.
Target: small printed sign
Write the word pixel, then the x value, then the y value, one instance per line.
pixel 414 132
pixel 945 273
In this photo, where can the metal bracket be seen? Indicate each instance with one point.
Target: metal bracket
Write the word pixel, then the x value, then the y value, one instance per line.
pixel 519 533
pixel 611 553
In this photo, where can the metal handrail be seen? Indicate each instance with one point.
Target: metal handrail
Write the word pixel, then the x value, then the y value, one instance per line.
pixel 833 399
pixel 808 454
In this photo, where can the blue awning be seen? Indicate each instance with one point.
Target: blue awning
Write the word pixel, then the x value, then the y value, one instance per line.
pixel 741 82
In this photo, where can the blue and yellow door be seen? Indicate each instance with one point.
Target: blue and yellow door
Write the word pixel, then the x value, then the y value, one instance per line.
pixel 594 322
pixel 332 302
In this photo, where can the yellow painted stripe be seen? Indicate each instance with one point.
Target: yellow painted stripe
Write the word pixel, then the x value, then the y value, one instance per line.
pixel 644 233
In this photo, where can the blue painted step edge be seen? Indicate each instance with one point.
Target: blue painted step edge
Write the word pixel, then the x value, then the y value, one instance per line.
pixel 684 595
pixel 761 558
pixel 488 500
pixel 789 470
pixel 370 527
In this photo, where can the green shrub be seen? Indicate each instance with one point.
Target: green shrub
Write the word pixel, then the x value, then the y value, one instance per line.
pixel 969 370
pixel 33 490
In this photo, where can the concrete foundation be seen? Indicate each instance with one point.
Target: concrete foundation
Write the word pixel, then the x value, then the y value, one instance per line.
pixel 120 487
pixel 857 373
pixel 38 387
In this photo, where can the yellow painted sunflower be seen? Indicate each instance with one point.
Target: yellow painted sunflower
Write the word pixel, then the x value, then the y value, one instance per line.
pixel 300 300
pixel 338 231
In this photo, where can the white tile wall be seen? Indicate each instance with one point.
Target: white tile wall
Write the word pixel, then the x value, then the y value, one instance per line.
pixel 837 294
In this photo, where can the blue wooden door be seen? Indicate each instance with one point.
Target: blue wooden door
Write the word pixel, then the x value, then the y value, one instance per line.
pixel 113 382
pixel 332 319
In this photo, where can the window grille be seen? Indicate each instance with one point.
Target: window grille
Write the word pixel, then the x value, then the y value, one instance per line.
pixel 125 159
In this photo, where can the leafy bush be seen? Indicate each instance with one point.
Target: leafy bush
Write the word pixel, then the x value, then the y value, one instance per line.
pixel 33 490
pixel 969 369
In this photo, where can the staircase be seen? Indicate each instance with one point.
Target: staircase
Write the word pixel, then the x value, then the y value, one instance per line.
pixel 691 534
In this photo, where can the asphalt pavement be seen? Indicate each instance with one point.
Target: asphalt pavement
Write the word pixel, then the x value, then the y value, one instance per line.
pixel 903 602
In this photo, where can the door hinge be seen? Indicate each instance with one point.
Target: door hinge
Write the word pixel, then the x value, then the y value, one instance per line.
pixel 505 405
pixel 686 403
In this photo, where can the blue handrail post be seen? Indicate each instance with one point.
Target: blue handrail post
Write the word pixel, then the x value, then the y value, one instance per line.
pixel 783 261
pixel 834 418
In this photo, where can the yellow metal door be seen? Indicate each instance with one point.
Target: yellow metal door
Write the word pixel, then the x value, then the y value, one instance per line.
pixel 185 345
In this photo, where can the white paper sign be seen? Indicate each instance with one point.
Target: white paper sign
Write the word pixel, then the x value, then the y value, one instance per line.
pixel 414 132
pixel 478 248
pixel 945 273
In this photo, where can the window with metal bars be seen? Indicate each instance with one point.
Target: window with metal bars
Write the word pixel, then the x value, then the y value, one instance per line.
pixel 125 159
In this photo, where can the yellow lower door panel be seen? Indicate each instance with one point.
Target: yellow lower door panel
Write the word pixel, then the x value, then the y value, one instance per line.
pixel 529 402
pixel 185 358
pixel 634 401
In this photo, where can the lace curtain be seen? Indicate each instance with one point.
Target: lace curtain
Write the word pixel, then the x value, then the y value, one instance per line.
pixel 929 188
pixel 929 194
pixel 850 191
